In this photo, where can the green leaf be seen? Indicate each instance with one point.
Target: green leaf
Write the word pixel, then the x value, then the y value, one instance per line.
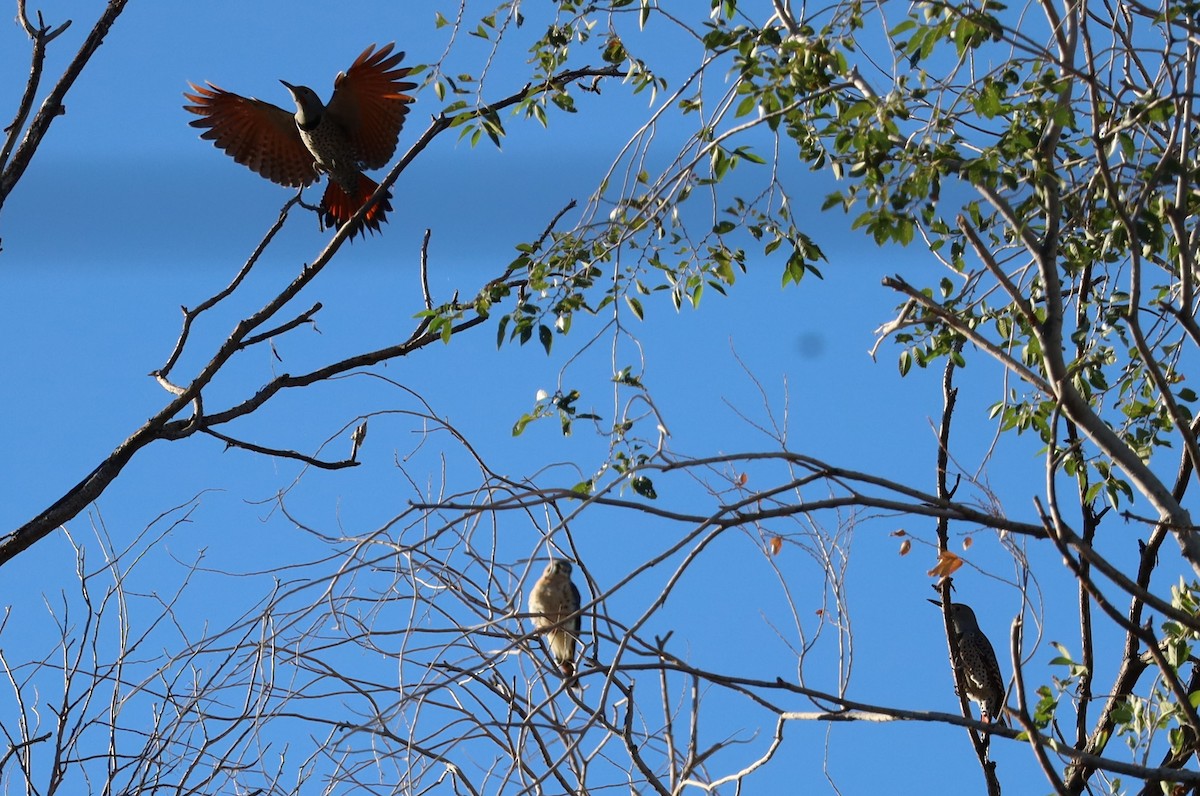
pixel 748 154
pixel 857 110
pixel 643 486
pixel 635 306
pixel 747 106
pixel 500 328
pixel 519 426
pixel 720 162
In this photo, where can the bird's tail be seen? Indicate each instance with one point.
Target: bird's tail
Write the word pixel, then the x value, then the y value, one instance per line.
pixel 338 206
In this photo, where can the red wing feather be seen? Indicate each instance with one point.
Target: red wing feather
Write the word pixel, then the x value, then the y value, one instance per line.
pixel 370 103
pixel 256 134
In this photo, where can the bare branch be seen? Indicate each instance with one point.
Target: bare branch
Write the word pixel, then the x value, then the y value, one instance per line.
pixel 52 106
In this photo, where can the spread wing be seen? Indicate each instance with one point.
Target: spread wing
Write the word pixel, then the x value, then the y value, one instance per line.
pixel 370 104
pixel 256 134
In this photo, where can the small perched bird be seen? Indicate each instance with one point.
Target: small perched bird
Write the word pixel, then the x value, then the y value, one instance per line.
pixel 980 670
pixel 554 603
pixel 357 130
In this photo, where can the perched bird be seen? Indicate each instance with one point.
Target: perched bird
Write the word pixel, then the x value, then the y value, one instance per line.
pixel 357 130
pixel 554 603
pixel 977 659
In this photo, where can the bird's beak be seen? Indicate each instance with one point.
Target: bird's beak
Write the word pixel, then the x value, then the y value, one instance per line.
pixel 290 87
pixel 938 603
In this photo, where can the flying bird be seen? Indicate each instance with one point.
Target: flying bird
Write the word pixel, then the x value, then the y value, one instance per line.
pixel 357 130
pixel 554 603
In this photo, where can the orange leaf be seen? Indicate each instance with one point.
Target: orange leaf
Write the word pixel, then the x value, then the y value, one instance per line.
pixel 900 532
pixel 967 542
pixel 948 563
pixel 776 545
pixel 905 546
pixel 742 479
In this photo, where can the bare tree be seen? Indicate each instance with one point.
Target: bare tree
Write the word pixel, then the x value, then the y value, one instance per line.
pixel 1045 161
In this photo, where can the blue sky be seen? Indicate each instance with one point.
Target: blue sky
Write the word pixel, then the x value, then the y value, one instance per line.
pixel 126 215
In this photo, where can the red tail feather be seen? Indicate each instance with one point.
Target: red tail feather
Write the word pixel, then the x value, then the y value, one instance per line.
pixel 337 206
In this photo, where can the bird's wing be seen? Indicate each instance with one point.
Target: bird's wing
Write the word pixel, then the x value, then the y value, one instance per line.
pixel 370 104
pixel 256 134
pixel 990 652
pixel 575 604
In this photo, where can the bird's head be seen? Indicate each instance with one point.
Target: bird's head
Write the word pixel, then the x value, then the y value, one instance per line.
pixel 308 105
pixel 559 566
pixel 961 615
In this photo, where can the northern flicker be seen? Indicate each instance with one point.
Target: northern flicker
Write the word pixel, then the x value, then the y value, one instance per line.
pixel 357 130
pixel 554 603
pixel 977 660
